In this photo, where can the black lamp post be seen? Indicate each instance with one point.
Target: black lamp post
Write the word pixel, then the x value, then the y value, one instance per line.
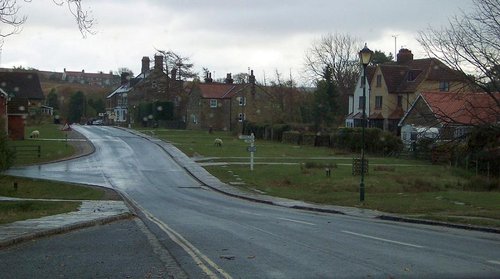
pixel 365 56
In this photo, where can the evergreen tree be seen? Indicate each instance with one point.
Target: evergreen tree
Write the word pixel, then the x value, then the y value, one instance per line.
pixel 52 99
pixel 76 107
pixel 326 102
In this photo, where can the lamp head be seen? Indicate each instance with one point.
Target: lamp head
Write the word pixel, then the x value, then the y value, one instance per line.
pixel 365 56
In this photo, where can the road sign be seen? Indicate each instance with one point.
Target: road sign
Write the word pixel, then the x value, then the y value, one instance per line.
pixel 251 148
pixel 247 137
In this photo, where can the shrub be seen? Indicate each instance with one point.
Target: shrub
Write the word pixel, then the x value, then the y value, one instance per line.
pixel 316 165
pixel 308 139
pixel 376 141
pixel 480 183
pixel 292 137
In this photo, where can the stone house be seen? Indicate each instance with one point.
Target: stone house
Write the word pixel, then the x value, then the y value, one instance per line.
pixel 227 106
pixel 449 115
pixel 392 87
pixel 149 86
pixel 25 98
pixel 117 101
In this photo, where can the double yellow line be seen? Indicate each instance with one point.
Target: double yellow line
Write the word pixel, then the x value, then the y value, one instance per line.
pixel 211 269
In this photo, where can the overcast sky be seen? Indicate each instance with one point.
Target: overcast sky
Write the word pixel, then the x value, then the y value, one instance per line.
pixel 221 35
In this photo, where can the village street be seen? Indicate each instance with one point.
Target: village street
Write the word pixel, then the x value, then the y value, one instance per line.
pixel 215 235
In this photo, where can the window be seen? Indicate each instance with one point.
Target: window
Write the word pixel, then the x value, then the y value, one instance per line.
pixel 242 101
pixel 194 119
pixel 444 86
pixel 411 76
pixel 400 101
pixel 213 103
pixel 241 117
pixel 378 102
pixel 361 102
pixel 379 80
pixel 460 132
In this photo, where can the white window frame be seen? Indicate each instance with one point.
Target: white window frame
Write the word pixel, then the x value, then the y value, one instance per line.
pixel 241 117
pixel 213 103
pixel 242 101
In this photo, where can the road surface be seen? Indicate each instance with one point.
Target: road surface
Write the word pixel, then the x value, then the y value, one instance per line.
pixel 213 235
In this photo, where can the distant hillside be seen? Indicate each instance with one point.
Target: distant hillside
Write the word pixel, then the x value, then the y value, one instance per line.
pixel 65 89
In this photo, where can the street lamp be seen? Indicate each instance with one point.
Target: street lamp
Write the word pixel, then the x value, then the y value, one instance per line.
pixel 365 56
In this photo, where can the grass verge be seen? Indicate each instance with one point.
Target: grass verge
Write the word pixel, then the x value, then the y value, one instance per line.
pixel 22 210
pixel 408 187
pixel 45 189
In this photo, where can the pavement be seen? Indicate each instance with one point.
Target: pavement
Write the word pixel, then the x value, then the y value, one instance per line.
pixel 93 213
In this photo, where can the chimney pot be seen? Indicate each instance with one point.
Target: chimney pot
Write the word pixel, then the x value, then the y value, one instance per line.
pixel 404 56
pixel 229 79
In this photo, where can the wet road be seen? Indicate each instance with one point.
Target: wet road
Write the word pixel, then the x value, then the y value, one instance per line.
pixel 214 235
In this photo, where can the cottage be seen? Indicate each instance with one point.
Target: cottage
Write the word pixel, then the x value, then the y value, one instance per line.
pixel 393 86
pixel 448 116
pixel 151 85
pixel 227 106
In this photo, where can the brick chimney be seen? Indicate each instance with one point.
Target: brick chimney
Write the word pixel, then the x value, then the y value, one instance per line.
pixel 251 78
pixel 229 79
pixel 159 62
pixel 145 65
pixel 404 56
pixel 208 78
pixel 173 74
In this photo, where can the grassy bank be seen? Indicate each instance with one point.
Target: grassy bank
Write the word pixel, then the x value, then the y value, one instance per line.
pixel 410 187
pixel 53 146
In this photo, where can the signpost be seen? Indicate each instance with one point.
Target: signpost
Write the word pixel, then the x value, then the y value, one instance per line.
pixel 252 148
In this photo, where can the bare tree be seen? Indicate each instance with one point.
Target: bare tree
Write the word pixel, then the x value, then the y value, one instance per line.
pixel 182 64
pixel 124 70
pixel 339 53
pixel 10 16
pixel 470 45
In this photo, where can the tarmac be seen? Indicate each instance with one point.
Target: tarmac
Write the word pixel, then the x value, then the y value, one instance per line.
pixel 93 213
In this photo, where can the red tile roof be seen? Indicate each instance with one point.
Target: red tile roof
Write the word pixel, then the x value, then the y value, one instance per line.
pixel 219 90
pixel 463 108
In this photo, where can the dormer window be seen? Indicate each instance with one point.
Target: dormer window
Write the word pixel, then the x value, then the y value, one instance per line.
pixel 411 76
pixel 444 86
